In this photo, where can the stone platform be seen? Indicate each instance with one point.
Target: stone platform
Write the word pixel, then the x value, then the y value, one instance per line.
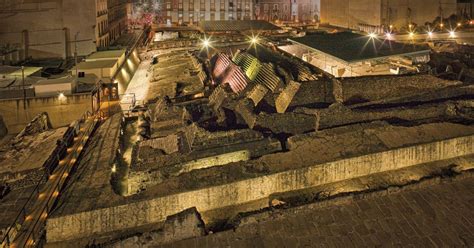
pixel 313 159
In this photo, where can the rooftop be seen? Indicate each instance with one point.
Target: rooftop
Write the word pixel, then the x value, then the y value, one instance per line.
pixel 352 47
pixel 250 25
pixel 111 54
pixel 15 71
pixel 96 64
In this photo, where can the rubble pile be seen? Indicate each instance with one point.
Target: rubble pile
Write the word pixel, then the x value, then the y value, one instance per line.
pixel 453 61
pixel 22 157
pixel 178 72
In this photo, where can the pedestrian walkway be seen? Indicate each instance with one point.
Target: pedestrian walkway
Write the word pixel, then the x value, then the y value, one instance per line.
pixel 137 90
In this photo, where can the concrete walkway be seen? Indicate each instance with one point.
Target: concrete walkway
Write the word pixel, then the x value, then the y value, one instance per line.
pixel 138 86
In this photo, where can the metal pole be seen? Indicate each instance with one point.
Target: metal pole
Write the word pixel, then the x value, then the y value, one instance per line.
pixel 75 54
pixel 23 83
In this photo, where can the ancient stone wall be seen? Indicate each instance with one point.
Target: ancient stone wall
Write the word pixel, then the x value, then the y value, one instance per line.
pixel 136 214
pixel 374 88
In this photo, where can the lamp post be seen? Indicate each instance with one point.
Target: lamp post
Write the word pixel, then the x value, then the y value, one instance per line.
pixel 75 54
pixel 23 85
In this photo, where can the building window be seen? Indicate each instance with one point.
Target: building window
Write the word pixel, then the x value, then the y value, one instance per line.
pixel 213 5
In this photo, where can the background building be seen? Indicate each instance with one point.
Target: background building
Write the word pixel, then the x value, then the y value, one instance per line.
pixel 398 13
pixel 287 10
pixel 58 28
pixel 193 11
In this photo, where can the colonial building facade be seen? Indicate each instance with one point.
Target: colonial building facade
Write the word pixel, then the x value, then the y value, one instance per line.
pixel 194 11
pixel 287 10
pixel 60 28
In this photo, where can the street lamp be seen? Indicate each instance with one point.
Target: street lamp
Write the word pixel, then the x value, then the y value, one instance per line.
pixel 452 34
pixel 372 35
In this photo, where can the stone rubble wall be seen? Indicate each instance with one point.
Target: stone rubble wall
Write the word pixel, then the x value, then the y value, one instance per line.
pixel 136 214
pixel 38 124
pixel 339 115
pixel 374 88
pixel 140 180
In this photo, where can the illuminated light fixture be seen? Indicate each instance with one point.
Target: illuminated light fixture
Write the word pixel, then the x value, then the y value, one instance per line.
pixel 206 43
pixel 452 34
pixel 61 96
pixel 254 40
pixel 389 35
pixel 411 34
pixel 430 34
pixel 391 26
pixel 471 22
pixel 373 35
pixel 441 25
pixel 114 168
pixel 410 26
pixel 459 24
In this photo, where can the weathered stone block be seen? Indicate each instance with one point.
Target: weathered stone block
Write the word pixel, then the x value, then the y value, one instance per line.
pixel 286 96
pixel 291 123
pixel 183 225
pixel 245 109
